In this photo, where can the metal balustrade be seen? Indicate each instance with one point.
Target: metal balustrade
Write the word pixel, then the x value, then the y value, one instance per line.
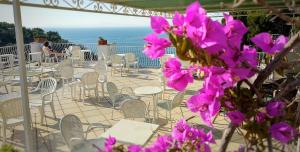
pixel 144 61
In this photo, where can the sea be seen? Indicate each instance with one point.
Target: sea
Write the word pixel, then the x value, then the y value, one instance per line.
pixel 129 36
pixel 127 39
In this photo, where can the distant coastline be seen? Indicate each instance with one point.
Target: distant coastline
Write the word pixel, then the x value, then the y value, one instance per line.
pixel 7 35
pixel 130 36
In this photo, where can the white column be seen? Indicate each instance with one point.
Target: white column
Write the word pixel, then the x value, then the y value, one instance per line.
pixel 23 76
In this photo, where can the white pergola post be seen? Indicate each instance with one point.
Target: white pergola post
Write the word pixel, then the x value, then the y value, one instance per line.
pixel 23 76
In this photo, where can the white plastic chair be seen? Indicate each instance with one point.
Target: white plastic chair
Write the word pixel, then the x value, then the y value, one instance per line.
pixel 49 58
pixel 76 54
pixel 101 68
pixel 117 61
pixel 116 96
pixel 47 88
pixel 169 105
pixel 131 60
pixel 67 76
pixel 134 109
pixel 11 115
pixel 88 82
pixel 75 137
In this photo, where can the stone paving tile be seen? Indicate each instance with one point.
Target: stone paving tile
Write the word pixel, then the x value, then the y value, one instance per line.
pixel 98 111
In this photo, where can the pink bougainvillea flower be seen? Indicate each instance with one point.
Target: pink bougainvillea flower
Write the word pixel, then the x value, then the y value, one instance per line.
pixel 210 36
pixel 159 24
pixel 135 148
pixel 180 80
pixel 162 144
pixel 109 143
pixel 179 129
pixel 217 78
pixel 210 137
pixel 267 44
pixel 205 103
pixel 236 117
pixel 234 30
pixel 229 105
pixel 172 66
pixel 178 22
pixel 260 117
pixel 249 55
pixel 156 47
pixel 178 19
pixel 283 132
pixel 275 108
pixel 195 15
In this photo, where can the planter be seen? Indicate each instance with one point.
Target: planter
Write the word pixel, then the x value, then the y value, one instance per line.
pixel 102 42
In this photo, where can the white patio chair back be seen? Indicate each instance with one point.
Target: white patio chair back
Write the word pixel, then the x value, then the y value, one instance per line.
pixel 134 108
pixel 177 100
pixel 35 57
pixel 11 109
pixel 11 115
pixel 47 86
pixel 89 79
pixel 130 57
pixel 116 59
pixel 7 60
pixel 112 90
pixel 71 130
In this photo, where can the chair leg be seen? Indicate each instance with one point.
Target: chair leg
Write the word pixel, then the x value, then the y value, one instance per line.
pixel 42 113
pixel 181 112
pixel 52 109
pixel 112 112
pixel 102 87
pixel 83 96
pixel 4 133
pixel 170 114
pixel 97 93
pixel 63 87
pixel 6 89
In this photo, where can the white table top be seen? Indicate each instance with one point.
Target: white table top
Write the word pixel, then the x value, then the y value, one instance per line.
pixel 35 53
pixel 131 132
pixel 85 50
pixel 147 90
pixel 10 96
pixel 120 54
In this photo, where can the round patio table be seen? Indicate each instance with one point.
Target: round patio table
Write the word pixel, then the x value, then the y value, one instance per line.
pixel 153 91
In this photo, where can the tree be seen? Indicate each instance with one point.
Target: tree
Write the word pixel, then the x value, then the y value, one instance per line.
pixel 55 37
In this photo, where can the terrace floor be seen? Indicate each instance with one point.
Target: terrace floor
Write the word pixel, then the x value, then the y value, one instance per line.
pixel 99 111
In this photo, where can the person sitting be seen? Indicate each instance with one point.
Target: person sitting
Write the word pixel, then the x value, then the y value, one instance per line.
pixel 48 51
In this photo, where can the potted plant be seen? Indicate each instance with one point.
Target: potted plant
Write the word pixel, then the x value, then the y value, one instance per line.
pixel 102 41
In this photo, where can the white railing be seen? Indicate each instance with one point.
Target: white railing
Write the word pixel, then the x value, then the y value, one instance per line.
pixel 144 61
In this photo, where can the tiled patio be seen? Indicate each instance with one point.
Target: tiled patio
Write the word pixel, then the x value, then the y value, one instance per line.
pixel 99 112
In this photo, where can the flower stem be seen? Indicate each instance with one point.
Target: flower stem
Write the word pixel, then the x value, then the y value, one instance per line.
pixel 226 137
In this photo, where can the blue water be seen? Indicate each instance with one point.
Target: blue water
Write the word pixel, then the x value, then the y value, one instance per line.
pixel 127 40
pixel 130 36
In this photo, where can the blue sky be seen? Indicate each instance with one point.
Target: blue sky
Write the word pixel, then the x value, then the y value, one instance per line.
pixel 41 17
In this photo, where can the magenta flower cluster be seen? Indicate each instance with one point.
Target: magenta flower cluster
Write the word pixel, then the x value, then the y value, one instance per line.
pixel 183 135
pixel 223 61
